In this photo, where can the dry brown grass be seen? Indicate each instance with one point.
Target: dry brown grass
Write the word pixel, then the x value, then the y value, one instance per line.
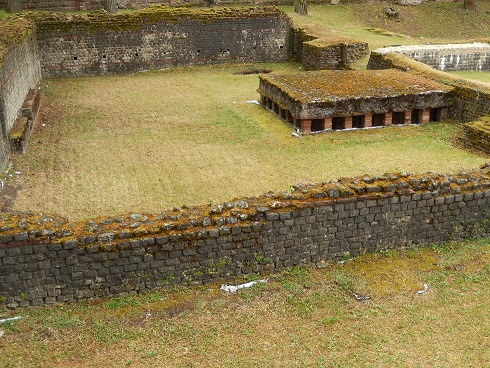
pixel 111 145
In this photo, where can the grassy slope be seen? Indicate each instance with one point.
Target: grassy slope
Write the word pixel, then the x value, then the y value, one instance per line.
pixel 301 318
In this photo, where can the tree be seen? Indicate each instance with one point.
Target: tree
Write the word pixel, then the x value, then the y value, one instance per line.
pixel 14 6
pixel 111 6
pixel 301 7
pixel 469 5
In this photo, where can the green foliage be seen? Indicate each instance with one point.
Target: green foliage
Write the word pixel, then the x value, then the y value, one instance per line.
pixel 120 302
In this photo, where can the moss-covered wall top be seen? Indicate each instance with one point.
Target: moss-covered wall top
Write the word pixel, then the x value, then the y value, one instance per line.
pixel 193 222
pixel 133 21
pixel 13 31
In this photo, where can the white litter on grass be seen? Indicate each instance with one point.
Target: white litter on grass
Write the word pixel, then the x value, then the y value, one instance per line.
pixel 10 319
pixel 253 102
pixel 1 333
pixel 345 261
pixel 18 172
pixel 423 291
pixel 234 288
pixel 295 135
pixel 360 297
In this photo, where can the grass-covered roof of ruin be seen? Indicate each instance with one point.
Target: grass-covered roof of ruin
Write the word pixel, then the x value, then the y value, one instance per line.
pixel 13 32
pixel 333 85
pixel 134 20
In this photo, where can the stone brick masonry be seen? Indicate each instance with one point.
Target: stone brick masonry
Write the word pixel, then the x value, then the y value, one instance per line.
pixel 84 47
pixel 45 260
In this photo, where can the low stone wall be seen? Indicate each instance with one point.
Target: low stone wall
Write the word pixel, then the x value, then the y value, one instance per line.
pixel 471 99
pixel 19 72
pixel 159 37
pixel 318 55
pixel 318 52
pixel 450 57
pixel 84 5
pixel 46 259
pixel 477 134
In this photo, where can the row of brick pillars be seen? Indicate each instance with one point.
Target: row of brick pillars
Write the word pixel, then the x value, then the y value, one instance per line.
pixel 365 121
pixel 416 116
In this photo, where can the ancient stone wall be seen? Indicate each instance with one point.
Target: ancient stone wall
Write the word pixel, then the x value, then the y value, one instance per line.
pixel 318 52
pixel 477 134
pixel 451 57
pixel 159 37
pixel 45 260
pixel 84 5
pixel 19 72
pixel 471 99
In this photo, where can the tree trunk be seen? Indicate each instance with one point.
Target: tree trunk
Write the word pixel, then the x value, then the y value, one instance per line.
pixel 111 6
pixel 14 6
pixel 469 5
pixel 301 7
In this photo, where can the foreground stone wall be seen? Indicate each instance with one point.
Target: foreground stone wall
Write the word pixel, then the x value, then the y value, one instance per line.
pixel 45 259
pixel 159 37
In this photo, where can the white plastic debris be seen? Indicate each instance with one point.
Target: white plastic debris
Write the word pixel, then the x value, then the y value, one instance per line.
pixel 423 291
pixel 18 172
pixel 253 102
pixel 234 288
pixel 10 319
pixel 295 135
pixel 360 297
pixel 1 333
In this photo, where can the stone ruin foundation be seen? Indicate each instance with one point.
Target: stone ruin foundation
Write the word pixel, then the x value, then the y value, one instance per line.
pixel 335 100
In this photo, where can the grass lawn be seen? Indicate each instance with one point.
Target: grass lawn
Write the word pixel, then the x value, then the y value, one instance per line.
pixel 300 318
pixel 477 76
pixel 156 140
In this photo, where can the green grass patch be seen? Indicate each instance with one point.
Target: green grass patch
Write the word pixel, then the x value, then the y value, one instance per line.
pixel 483 76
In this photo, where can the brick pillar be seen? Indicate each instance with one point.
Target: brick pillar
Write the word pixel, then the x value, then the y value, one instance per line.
pixel 388 119
pixel 306 125
pixel 348 122
pixel 424 116
pixel 327 123
pixel 368 120
pixel 407 117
